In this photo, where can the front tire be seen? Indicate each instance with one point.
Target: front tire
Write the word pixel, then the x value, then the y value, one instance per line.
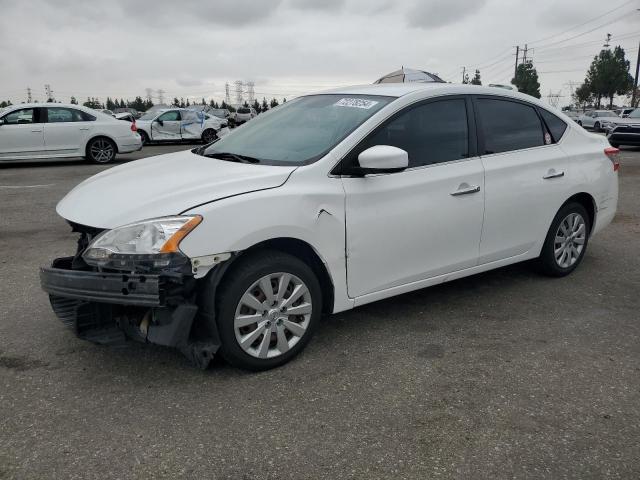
pixel 566 241
pixel 144 137
pixel 596 126
pixel 269 306
pixel 101 150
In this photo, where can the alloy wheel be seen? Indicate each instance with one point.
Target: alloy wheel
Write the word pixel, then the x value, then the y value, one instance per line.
pixel 272 315
pixel 102 151
pixel 570 239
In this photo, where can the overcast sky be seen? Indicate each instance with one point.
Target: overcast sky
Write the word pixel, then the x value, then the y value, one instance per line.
pixel 190 48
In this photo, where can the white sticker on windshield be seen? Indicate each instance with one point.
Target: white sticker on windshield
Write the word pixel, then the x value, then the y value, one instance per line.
pixel 355 103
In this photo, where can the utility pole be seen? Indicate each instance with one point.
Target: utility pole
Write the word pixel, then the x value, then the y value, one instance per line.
pixel 29 97
pixel 515 70
pixel 635 81
pixel 606 42
pixel 524 54
pixel 464 72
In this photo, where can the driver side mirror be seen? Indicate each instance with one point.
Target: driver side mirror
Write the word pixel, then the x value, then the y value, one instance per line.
pixel 161 122
pixel 383 159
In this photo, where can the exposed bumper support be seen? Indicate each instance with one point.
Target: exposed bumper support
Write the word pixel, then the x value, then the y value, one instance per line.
pixel 107 308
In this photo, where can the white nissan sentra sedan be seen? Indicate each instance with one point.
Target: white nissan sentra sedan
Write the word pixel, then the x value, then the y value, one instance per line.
pixel 326 203
pixel 40 131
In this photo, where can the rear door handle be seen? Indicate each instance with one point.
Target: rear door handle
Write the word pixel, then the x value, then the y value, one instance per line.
pixel 36 131
pixel 553 174
pixel 84 128
pixel 465 189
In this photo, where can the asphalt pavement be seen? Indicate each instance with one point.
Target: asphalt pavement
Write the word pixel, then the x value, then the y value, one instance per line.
pixel 505 374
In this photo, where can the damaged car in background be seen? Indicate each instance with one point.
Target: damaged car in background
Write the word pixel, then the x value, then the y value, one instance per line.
pixel 326 203
pixel 180 124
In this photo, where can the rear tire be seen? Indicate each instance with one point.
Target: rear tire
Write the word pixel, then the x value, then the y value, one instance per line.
pixel 101 150
pixel 209 135
pixel 566 241
pixel 596 126
pixel 278 333
pixel 579 122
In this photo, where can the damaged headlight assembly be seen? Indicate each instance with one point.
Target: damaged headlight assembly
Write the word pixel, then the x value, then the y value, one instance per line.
pixel 150 245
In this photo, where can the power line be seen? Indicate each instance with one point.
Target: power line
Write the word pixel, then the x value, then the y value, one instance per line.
pixel 583 23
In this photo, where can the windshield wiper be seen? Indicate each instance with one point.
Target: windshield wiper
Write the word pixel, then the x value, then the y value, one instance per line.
pixel 233 157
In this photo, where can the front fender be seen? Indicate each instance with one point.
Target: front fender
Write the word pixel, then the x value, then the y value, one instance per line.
pixel 312 212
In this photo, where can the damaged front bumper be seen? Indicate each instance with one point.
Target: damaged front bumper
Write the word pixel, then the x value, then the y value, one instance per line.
pixel 108 308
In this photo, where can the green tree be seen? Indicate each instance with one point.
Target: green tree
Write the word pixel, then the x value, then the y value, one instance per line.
pixel 609 75
pixel 256 106
pixel 93 102
pixel 73 101
pixel 526 79
pixel 176 102
pixel 582 95
pixel 5 103
pixel 465 79
pixel 476 78
pixel 274 103
pixel 265 105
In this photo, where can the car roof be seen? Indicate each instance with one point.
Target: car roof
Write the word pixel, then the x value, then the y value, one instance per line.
pixel 433 89
pixel 49 104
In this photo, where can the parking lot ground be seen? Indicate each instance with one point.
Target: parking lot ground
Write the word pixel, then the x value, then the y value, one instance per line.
pixel 506 374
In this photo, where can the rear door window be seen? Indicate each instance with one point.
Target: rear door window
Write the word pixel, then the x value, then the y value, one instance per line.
pixel 507 125
pixel 65 115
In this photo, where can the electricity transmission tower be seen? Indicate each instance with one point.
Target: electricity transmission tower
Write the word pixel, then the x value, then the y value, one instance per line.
pixel 49 93
pixel 239 97
pixel 227 95
pixel 250 91
pixel 554 98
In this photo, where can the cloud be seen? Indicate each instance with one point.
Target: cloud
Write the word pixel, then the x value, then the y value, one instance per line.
pixel 328 5
pixel 429 14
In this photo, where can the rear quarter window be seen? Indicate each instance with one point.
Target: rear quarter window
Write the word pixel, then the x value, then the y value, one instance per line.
pixel 556 126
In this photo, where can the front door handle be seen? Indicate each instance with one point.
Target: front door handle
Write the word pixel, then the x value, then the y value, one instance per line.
pixel 84 128
pixel 553 174
pixel 36 131
pixel 465 189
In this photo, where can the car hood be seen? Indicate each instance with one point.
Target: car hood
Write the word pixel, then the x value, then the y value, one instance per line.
pixel 627 121
pixel 163 185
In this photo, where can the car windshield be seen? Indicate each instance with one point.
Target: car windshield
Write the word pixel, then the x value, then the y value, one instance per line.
pixel 635 113
pixel 301 130
pixel 149 116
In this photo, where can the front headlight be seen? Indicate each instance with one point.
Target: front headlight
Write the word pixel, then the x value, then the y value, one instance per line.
pixel 152 243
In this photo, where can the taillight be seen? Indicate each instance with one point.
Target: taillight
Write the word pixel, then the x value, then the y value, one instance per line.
pixel 133 126
pixel 613 153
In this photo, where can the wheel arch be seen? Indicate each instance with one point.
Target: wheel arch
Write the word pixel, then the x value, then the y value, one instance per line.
pixel 100 135
pixel 588 202
pixel 305 252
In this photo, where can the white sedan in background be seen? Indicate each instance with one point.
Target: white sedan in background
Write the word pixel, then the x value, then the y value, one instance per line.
pixel 53 130
pixel 596 119
pixel 177 124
